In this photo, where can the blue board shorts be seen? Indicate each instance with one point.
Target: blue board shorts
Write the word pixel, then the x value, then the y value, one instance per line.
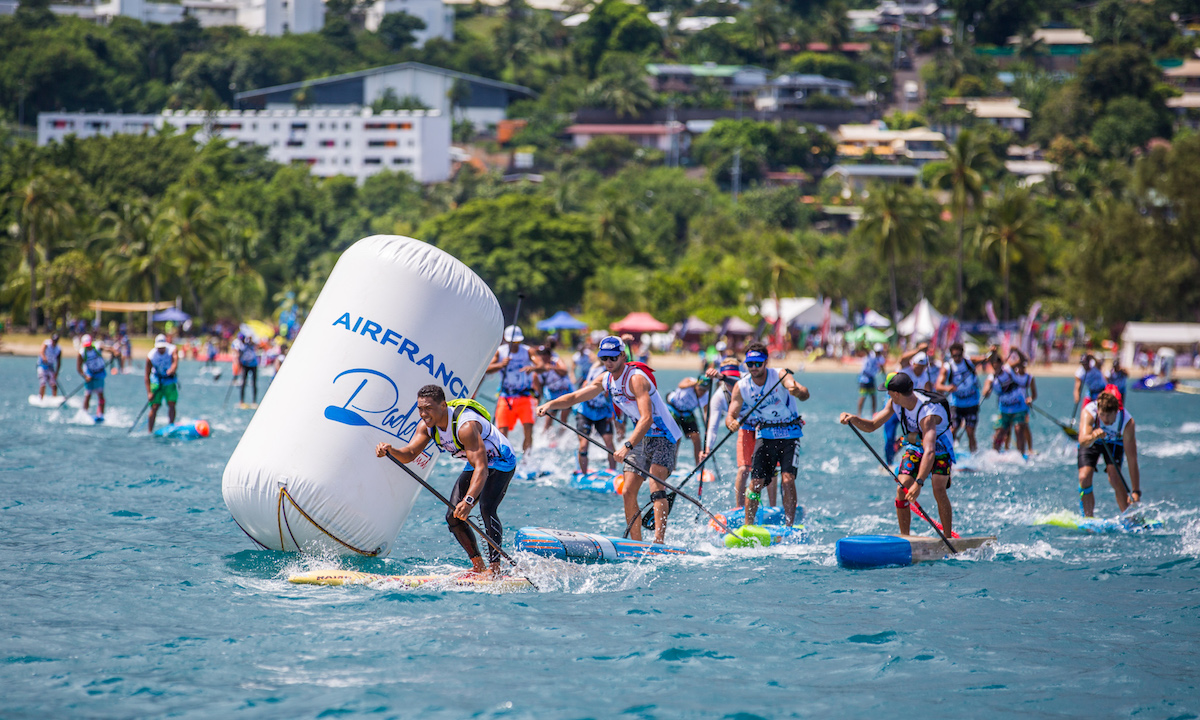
pixel 96 384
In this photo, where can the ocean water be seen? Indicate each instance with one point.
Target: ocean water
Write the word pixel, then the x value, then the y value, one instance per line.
pixel 128 591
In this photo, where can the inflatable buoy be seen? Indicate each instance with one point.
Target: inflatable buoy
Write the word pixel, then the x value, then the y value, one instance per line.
pixel 396 314
pixel 185 431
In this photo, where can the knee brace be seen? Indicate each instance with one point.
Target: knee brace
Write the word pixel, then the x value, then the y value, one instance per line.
pixel 658 495
pixel 1085 491
pixel 901 504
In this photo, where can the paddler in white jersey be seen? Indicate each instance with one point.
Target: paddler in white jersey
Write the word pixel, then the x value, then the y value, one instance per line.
pixel 1106 426
pixel 161 383
pixel 48 364
pixel 554 380
pixel 915 364
pixel 928 446
pixel 462 429
pixel 651 444
pixel 777 428
pixel 683 402
pixel 94 369
pixel 518 366
pixel 729 373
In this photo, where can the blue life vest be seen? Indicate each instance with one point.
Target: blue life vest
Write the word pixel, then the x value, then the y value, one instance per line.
pixel 966 384
pixel 514 382
pixel 871 367
pixel 160 364
pixel 1012 391
pixel 94 362
pixel 1094 381
pixel 247 356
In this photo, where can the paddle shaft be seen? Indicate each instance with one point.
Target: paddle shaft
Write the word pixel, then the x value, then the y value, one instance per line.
pixel 916 505
pixel 641 471
pixel 504 371
pixel 1108 458
pixel 1070 431
pixel 446 502
pixel 713 452
pixel 138 418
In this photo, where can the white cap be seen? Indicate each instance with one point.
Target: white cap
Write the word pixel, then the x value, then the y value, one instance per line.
pixel 878 347
pixel 513 333
pixel 160 341
pixel 85 340
pixel 721 346
pixel 920 359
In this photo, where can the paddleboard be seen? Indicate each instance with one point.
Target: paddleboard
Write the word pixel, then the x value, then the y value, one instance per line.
pixel 98 419
pixel 1121 523
pixel 587 547
pixel 748 536
pixel 870 551
pixel 247 406
pixel 185 431
pixel 506 583
pixel 766 515
pixel 531 474
pixel 48 401
pixel 598 481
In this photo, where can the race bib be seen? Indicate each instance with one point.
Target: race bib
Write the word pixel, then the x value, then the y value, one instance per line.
pixel 779 432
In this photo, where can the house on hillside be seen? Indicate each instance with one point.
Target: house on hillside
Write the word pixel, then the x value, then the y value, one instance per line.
pixel 798 91
pixel 1005 112
pixel 1055 49
pixel 739 81
pixel 651 135
pixel 855 178
pixel 1185 76
pixel 436 14
pixel 917 145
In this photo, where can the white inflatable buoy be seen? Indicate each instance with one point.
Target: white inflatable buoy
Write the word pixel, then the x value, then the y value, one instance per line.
pixel 396 314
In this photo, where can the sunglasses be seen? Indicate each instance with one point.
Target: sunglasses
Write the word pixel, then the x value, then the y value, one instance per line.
pixel 613 358
pixel 755 364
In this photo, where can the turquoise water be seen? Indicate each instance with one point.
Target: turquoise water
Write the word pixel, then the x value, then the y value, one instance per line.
pixel 129 591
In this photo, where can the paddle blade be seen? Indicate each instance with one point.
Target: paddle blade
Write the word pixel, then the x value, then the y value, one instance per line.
pixel 1071 433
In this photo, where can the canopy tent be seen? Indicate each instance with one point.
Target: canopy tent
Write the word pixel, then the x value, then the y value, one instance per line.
pixel 814 317
pixel 1177 334
pixel 922 323
pixel 694 326
pixel 257 330
pixel 869 335
pixel 114 306
pixel 638 322
pixel 561 320
pixel 736 326
pixel 875 320
pixel 172 314
pixel 791 307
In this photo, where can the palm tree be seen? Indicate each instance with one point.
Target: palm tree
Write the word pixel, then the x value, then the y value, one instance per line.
pixel 897 221
pixel 44 213
pixel 1010 227
pixel 188 228
pixel 968 159
pixel 835 25
pixel 622 85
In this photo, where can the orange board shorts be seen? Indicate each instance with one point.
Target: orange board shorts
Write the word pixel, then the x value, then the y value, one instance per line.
pixel 745 447
pixel 513 410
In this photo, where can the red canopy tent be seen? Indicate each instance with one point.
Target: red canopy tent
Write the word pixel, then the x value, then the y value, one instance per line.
pixel 638 322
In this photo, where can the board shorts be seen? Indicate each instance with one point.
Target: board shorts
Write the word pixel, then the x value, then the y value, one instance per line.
pixel 1091 456
pixel 652 451
pixel 556 394
pixel 585 425
pixel 513 410
pixel 96 384
pixel 687 423
pixel 866 388
pixel 770 452
pixel 46 375
pixel 1007 420
pixel 910 463
pixel 969 415
pixel 160 393
pixel 745 446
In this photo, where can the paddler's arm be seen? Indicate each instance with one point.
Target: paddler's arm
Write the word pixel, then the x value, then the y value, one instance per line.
pixel 496 363
pixel 149 392
pixel 409 452
pixel 1032 389
pixel 79 366
pixel 641 393
pixel 794 388
pixel 942 384
pixel 928 449
pixel 1078 385
pixel 174 362
pixel 735 409
pixel 1129 437
pixel 476 454
pixel 877 420
pixel 1087 435
pixel 583 394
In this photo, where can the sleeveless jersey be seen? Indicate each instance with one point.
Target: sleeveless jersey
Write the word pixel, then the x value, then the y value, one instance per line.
pixel 247 356
pixel 684 401
pixel 52 353
pixel 160 364
pixel 499 453
pixel 777 417
pixel 1013 388
pixel 1114 434
pixel 1118 379
pixel 514 382
pixel 552 382
pixel 1094 381
pixel 662 424
pixel 910 422
pixel 599 407
pixel 94 362
pixel 966 383
pixel 918 380
pixel 870 368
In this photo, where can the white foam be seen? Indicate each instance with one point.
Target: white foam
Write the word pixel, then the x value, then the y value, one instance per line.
pixel 1172 449
pixel 1190 428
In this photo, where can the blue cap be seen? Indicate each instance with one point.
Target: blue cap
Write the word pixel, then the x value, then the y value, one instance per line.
pixel 610 346
pixel 756 356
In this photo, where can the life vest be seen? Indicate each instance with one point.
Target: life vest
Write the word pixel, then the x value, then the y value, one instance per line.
pixel 52 353
pixel 928 401
pixel 160 363
pixel 871 367
pixel 499 452
pixel 662 423
pixel 456 410
pixel 1094 381
pixel 553 382
pixel 965 381
pixel 514 382
pixel 1114 434
pixel 1012 391
pixel 94 362
pixel 247 356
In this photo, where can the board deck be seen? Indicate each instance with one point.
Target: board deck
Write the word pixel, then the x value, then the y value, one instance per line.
pixel 587 547
pixel 49 401
pixel 1071 521
pixel 767 515
pixel 748 536
pixel 463 580
pixel 867 551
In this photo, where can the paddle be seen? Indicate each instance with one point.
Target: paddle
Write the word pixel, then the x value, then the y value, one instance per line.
pixel 644 473
pixel 68 395
pixel 446 502
pixel 1108 458
pixel 713 452
pixel 504 371
pixel 232 382
pixel 704 429
pixel 1070 431
pixel 916 505
pixel 138 418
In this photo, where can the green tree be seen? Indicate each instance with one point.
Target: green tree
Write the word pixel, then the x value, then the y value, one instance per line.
pixel 621 85
pixel 1128 123
pixel 44 215
pixel 967 164
pixel 397 29
pixel 186 225
pixel 1011 226
pixel 896 222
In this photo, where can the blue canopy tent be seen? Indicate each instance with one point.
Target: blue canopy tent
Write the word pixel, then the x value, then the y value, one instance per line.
pixel 561 320
pixel 171 315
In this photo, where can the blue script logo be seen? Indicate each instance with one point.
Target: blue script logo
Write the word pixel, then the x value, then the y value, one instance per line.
pixel 373 400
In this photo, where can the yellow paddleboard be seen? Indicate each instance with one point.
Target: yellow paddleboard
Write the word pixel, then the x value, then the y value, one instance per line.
pixel 462 580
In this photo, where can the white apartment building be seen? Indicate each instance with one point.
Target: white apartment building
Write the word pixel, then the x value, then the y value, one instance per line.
pixel 258 17
pixel 436 14
pixel 353 142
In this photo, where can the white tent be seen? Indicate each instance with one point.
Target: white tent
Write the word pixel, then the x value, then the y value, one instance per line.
pixel 876 320
pixel 922 323
pixel 791 308
pixel 814 316
pixel 1177 334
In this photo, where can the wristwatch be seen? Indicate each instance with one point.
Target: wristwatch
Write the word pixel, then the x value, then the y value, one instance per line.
pixel 920 482
pixel 469 500
pixel 628 445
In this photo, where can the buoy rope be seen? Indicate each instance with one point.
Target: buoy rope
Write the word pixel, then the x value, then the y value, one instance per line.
pixel 282 517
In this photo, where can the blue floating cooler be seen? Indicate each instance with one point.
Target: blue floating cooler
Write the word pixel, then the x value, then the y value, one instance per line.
pixel 872 551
